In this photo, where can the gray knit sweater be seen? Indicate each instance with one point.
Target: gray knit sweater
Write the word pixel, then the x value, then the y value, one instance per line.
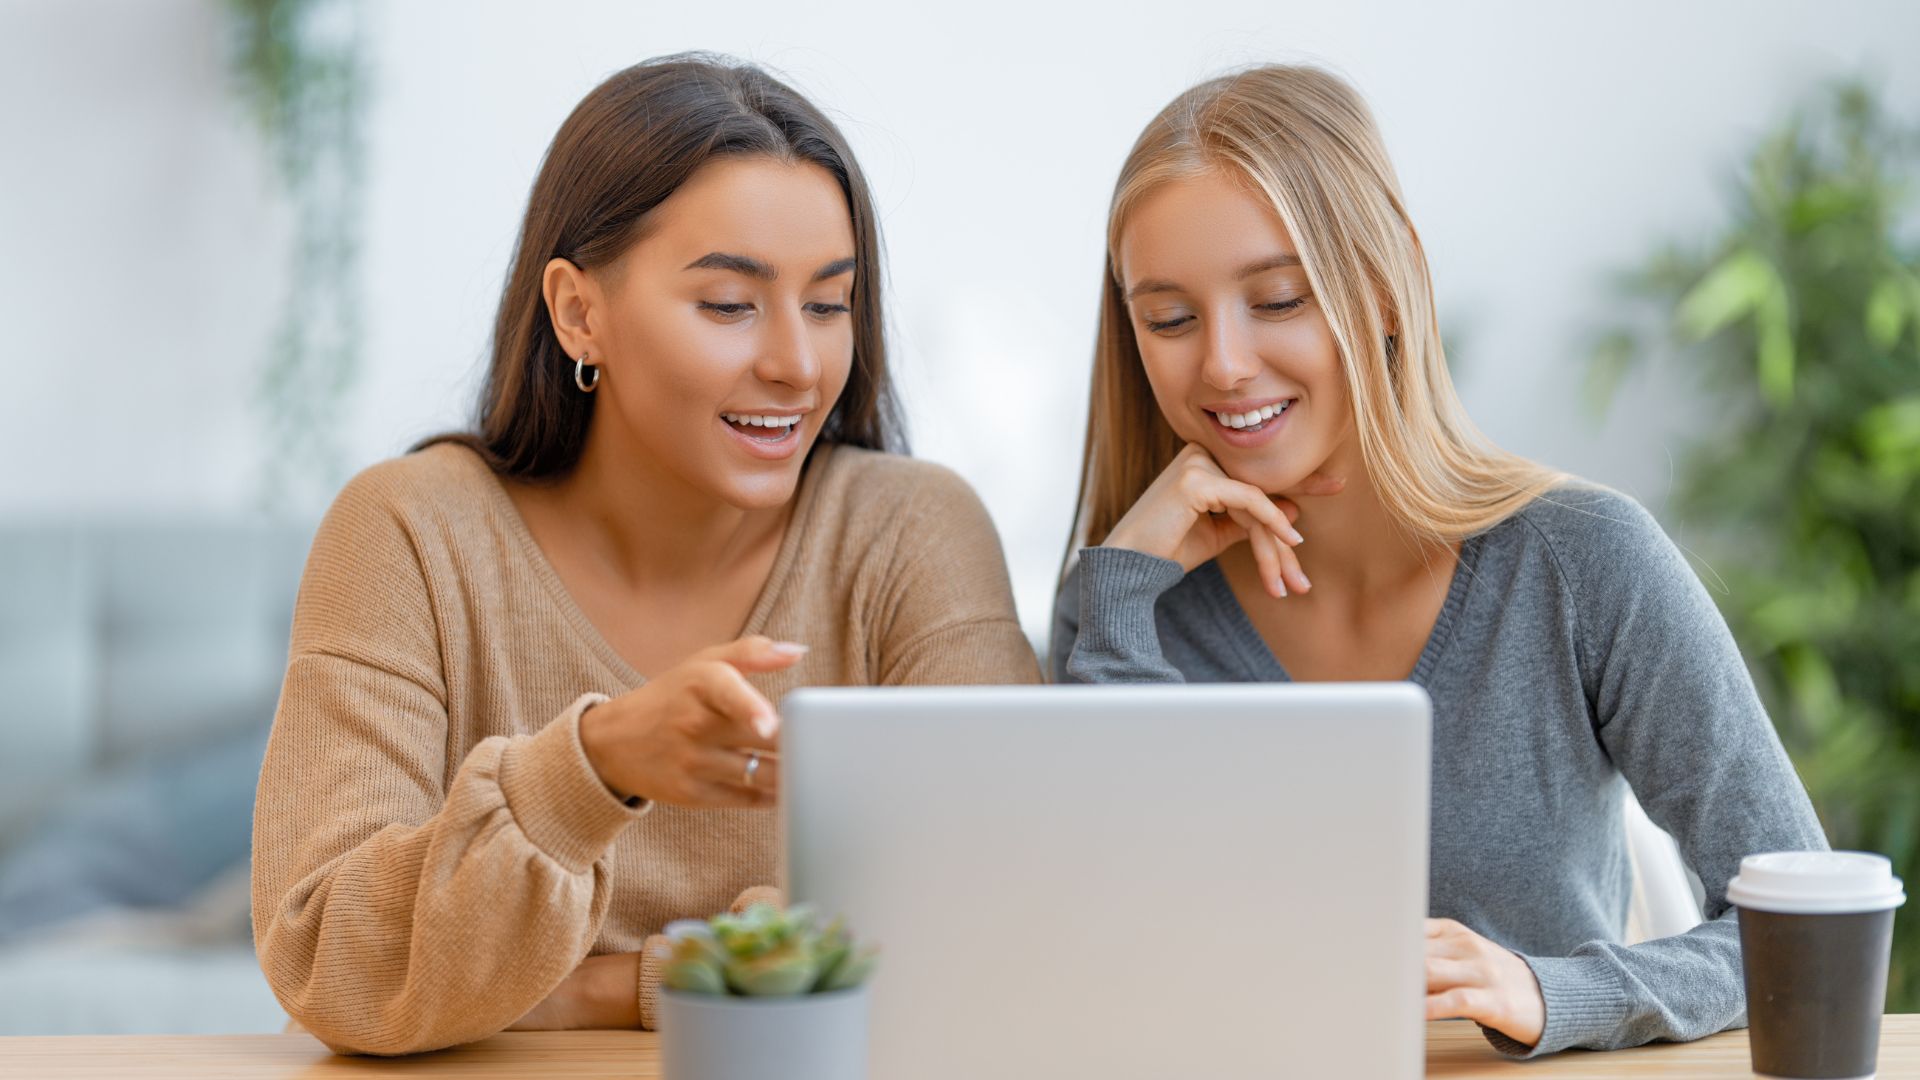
pixel 1576 653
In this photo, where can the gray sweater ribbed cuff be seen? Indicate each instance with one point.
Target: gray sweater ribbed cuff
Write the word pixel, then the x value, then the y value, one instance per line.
pixel 1585 1005
pixel 1118 640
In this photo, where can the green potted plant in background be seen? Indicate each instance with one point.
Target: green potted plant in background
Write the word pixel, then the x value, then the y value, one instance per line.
pixel 302 69
pixel 1801 321
pixel 765 995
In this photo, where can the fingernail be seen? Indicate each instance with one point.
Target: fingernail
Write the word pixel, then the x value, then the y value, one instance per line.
pixel 789 648
pixel 1281 583
pixel 1294 535
pixel 1304 583
pixel 767 726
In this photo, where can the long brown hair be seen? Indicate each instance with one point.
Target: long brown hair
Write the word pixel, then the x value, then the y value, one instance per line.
pixel 626 147
pixel 1306 141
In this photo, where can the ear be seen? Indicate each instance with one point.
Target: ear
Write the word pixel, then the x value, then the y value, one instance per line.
pixel 571 297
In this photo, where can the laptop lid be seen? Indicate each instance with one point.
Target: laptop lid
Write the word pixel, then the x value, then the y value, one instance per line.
pixel 1139 881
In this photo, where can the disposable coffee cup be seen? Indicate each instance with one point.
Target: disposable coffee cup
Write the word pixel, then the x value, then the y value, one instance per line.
pixel 1816 932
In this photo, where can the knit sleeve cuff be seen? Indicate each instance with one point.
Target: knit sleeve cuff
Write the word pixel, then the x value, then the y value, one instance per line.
pixel 557 798
pixel 1585 1005
pixel 1118 640
pixel 654 954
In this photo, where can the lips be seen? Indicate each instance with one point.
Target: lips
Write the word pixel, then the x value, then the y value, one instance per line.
pixel 1252 424
pixel 1250 416
pixel 767 436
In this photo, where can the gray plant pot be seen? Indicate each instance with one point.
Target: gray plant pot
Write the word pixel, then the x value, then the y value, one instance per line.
pixel 810 1037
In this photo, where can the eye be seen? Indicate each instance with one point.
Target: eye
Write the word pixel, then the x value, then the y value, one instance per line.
pixel 1281 307
pixel 827 311
pixel 1164 325
pixel 726 312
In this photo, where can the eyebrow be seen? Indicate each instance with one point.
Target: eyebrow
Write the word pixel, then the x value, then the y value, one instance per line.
pixel 1259 266
pixel 754 268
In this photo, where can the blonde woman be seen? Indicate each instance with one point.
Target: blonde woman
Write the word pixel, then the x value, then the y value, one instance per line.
pixel 530 714
pixel 1268 366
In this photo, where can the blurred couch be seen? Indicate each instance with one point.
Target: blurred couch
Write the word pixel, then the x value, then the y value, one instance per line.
pixel 139 667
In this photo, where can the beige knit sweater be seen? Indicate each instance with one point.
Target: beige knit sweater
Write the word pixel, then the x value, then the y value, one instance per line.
pixel 432 851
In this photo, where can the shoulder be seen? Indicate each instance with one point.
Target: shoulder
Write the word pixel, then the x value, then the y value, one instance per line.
pixel 1616 562
pixel 1587 529
pixel 408 514
pixel 1580 511
pixel 380 553
pixel 893 518
pixel 876 494
pixel 441 478
pixel 871 476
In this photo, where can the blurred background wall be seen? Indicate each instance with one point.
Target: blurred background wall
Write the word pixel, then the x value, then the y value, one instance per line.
pixel 145 239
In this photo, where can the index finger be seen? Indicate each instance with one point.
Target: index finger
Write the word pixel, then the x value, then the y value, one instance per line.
pixel 742 716
pixel 1232 493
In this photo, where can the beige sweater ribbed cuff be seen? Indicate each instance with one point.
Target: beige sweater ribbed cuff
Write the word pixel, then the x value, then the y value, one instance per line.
pixel 556 796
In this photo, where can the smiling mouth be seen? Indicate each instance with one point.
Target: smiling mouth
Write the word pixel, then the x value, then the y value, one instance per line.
pixel 1252 420
pixel 766 428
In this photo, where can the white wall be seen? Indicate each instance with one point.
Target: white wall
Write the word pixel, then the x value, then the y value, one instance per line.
pixel 1542 147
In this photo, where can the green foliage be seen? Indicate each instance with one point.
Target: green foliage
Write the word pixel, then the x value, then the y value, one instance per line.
pixel 767 953
pixel 1801 321
pixel 301 68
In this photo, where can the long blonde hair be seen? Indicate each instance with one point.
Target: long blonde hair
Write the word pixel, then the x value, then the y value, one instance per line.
pixel 1304 139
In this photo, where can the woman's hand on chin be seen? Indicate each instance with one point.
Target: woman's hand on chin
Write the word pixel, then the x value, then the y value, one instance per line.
pixel 1471 978
pixel 696 735
pixel 1193 511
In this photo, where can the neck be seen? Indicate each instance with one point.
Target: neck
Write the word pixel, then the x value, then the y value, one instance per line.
pixel 1355 548
pixel 653 526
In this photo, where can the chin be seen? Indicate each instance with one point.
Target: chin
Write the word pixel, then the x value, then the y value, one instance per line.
pixel 760 490
pixel 1275 474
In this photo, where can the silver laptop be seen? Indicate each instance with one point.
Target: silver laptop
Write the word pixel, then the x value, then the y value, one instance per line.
pixel 1117 882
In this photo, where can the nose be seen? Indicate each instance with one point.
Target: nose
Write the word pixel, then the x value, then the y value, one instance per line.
pixel 787 355
pixel 1229 359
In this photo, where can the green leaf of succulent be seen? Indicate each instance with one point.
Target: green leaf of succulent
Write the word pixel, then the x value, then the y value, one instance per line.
pixel 786 972
pixel 700 948
pixel 832 955
pixel 695 976
pixel 851 971
pixel 766 952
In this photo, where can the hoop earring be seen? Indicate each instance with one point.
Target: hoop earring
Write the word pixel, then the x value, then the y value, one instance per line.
pixel 580 369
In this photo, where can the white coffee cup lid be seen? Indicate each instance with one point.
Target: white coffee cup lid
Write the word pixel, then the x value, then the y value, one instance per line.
pixel 1816 883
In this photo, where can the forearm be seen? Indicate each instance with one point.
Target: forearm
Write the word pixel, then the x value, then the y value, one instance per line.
pixel 602 993
pixel 1608 997
pixel 1117 639
pixel 431 934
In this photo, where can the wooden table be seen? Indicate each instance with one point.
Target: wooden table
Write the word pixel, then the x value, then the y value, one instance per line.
pixel 1454 1049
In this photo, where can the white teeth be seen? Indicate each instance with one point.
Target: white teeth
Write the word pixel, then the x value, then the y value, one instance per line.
pixel 757 420
pixel 1256 416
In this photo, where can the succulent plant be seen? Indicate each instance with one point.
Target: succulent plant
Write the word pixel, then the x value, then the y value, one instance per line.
pixel 765 952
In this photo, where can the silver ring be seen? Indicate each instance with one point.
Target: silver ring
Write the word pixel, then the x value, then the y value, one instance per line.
pixel 753 766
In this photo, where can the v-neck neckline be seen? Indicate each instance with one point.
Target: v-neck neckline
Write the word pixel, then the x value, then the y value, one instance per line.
pixel 576 617
pixel 1257 658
